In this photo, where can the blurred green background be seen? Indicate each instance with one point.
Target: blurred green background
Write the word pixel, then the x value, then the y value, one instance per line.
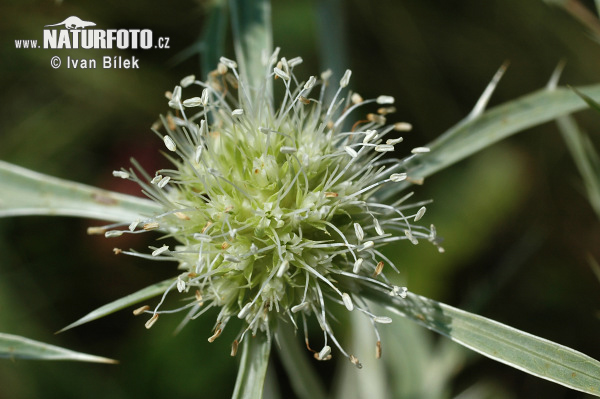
pixel 517 226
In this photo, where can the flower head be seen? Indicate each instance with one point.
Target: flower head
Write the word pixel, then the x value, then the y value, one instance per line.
pixel 274 205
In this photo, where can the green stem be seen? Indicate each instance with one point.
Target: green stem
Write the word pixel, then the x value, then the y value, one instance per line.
pixel 253 367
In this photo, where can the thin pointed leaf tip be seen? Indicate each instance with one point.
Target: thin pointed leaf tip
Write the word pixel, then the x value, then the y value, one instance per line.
pixel 273 202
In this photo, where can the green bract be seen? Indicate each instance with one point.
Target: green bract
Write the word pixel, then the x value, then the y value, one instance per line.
pixel 274 206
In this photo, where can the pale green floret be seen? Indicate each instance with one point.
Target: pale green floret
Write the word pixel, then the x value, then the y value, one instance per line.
pixel 273 206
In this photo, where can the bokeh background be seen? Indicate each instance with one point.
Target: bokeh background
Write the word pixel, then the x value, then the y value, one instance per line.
pixel 517 225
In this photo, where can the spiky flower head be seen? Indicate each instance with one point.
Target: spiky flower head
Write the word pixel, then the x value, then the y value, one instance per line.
pixel 274 205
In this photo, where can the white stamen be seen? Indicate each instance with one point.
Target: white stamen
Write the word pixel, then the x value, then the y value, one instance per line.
pixel 360 235
pixel 366 245
pixel 351 151
pixel 311 83
pixel 394 141
pixel 420 150
pixel 283 268
pixel 378 228
pixel 175 98
pixel 244 310
pixel 357 265
pixel 396 177
pixel 346 78
pixel 169 143
pixel 133 225
pixel 156 179
pixel 326 75
pixel 402 127
pixel 326 351
pixel 385 100
pixel 193 102
pixel 237 112
pixel 121 174
pixel 295 61
pixel 160 250
pixel 180 284
pixel 187 81
pixel 384 148
pixel 297 308
pixel 410 237
pixel 347 302
pixel 152 320
pixel 228 63
pixel 113 233
pixel 204 98
pixel 163 182
pixel 281 74
pixel 420 213
pixel 382 319
pixel 356 98
pixel 369 136
pixel 198 154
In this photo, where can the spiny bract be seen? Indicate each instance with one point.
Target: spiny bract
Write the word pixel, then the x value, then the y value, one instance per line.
pixel 274 207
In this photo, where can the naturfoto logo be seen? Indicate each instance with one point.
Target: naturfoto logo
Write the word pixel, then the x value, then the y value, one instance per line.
pixel 76 36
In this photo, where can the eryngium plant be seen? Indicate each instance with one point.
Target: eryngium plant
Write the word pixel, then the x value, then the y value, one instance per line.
pixel 273 203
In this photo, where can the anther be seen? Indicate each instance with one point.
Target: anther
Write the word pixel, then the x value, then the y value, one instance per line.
pixel 420 213
pixel 160 250
pixel 221 68
pixel 378 228
pixel 378 269
pixel 117 251
pixel 354 361
pixel 385 100
pixel 150 226
pixel 121 174
pixel 231 258
pixel 113 233
pixel 237 112
pixel 346 78
pixel 169 143
pixel 360 235
pixel 402 127
pixel 378 350
pixel 228 63
pixel 347 302
pixel 234 347
pixel 351 151
pixel 356 98
pixel 386 110
pixel 96 230
pixel 281 74
pixel 152 320
pixel 396 177
pixel 384 148
pixel 329 194
pixel 394 141
pixel 140 310
pixel 357 265
pixel 311 83
pixel 283 268
pixel 212 338
pixel 156 179
pixel 192 102
pixel 324 354
pixel 370 134
pixel 187 81
pixel 204 97
pixel 181 216
pixel 420 150
pixel 245 310
pixel 133 225
pixel 180 284
pixel 287 150
pixel 382 319
pixel 163 182
pixel 366 245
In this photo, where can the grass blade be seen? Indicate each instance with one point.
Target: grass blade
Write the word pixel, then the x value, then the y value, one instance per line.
pixel 470 136
pixel 252 37
pixel 131 299
pixel 526 352
pixel 25 192
pixel 253 367
pixel 17 347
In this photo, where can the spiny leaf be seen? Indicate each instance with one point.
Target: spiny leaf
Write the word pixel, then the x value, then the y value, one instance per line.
pixel 17 347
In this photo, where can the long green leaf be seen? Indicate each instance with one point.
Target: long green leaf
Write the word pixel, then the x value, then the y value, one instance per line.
pixel 505 344
pixel 472 135
pixel 252 37
pixel 213 37
pixel 585 156
pixel 17 347
pixel 131 299
pixel 253 367
pixel 25 192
